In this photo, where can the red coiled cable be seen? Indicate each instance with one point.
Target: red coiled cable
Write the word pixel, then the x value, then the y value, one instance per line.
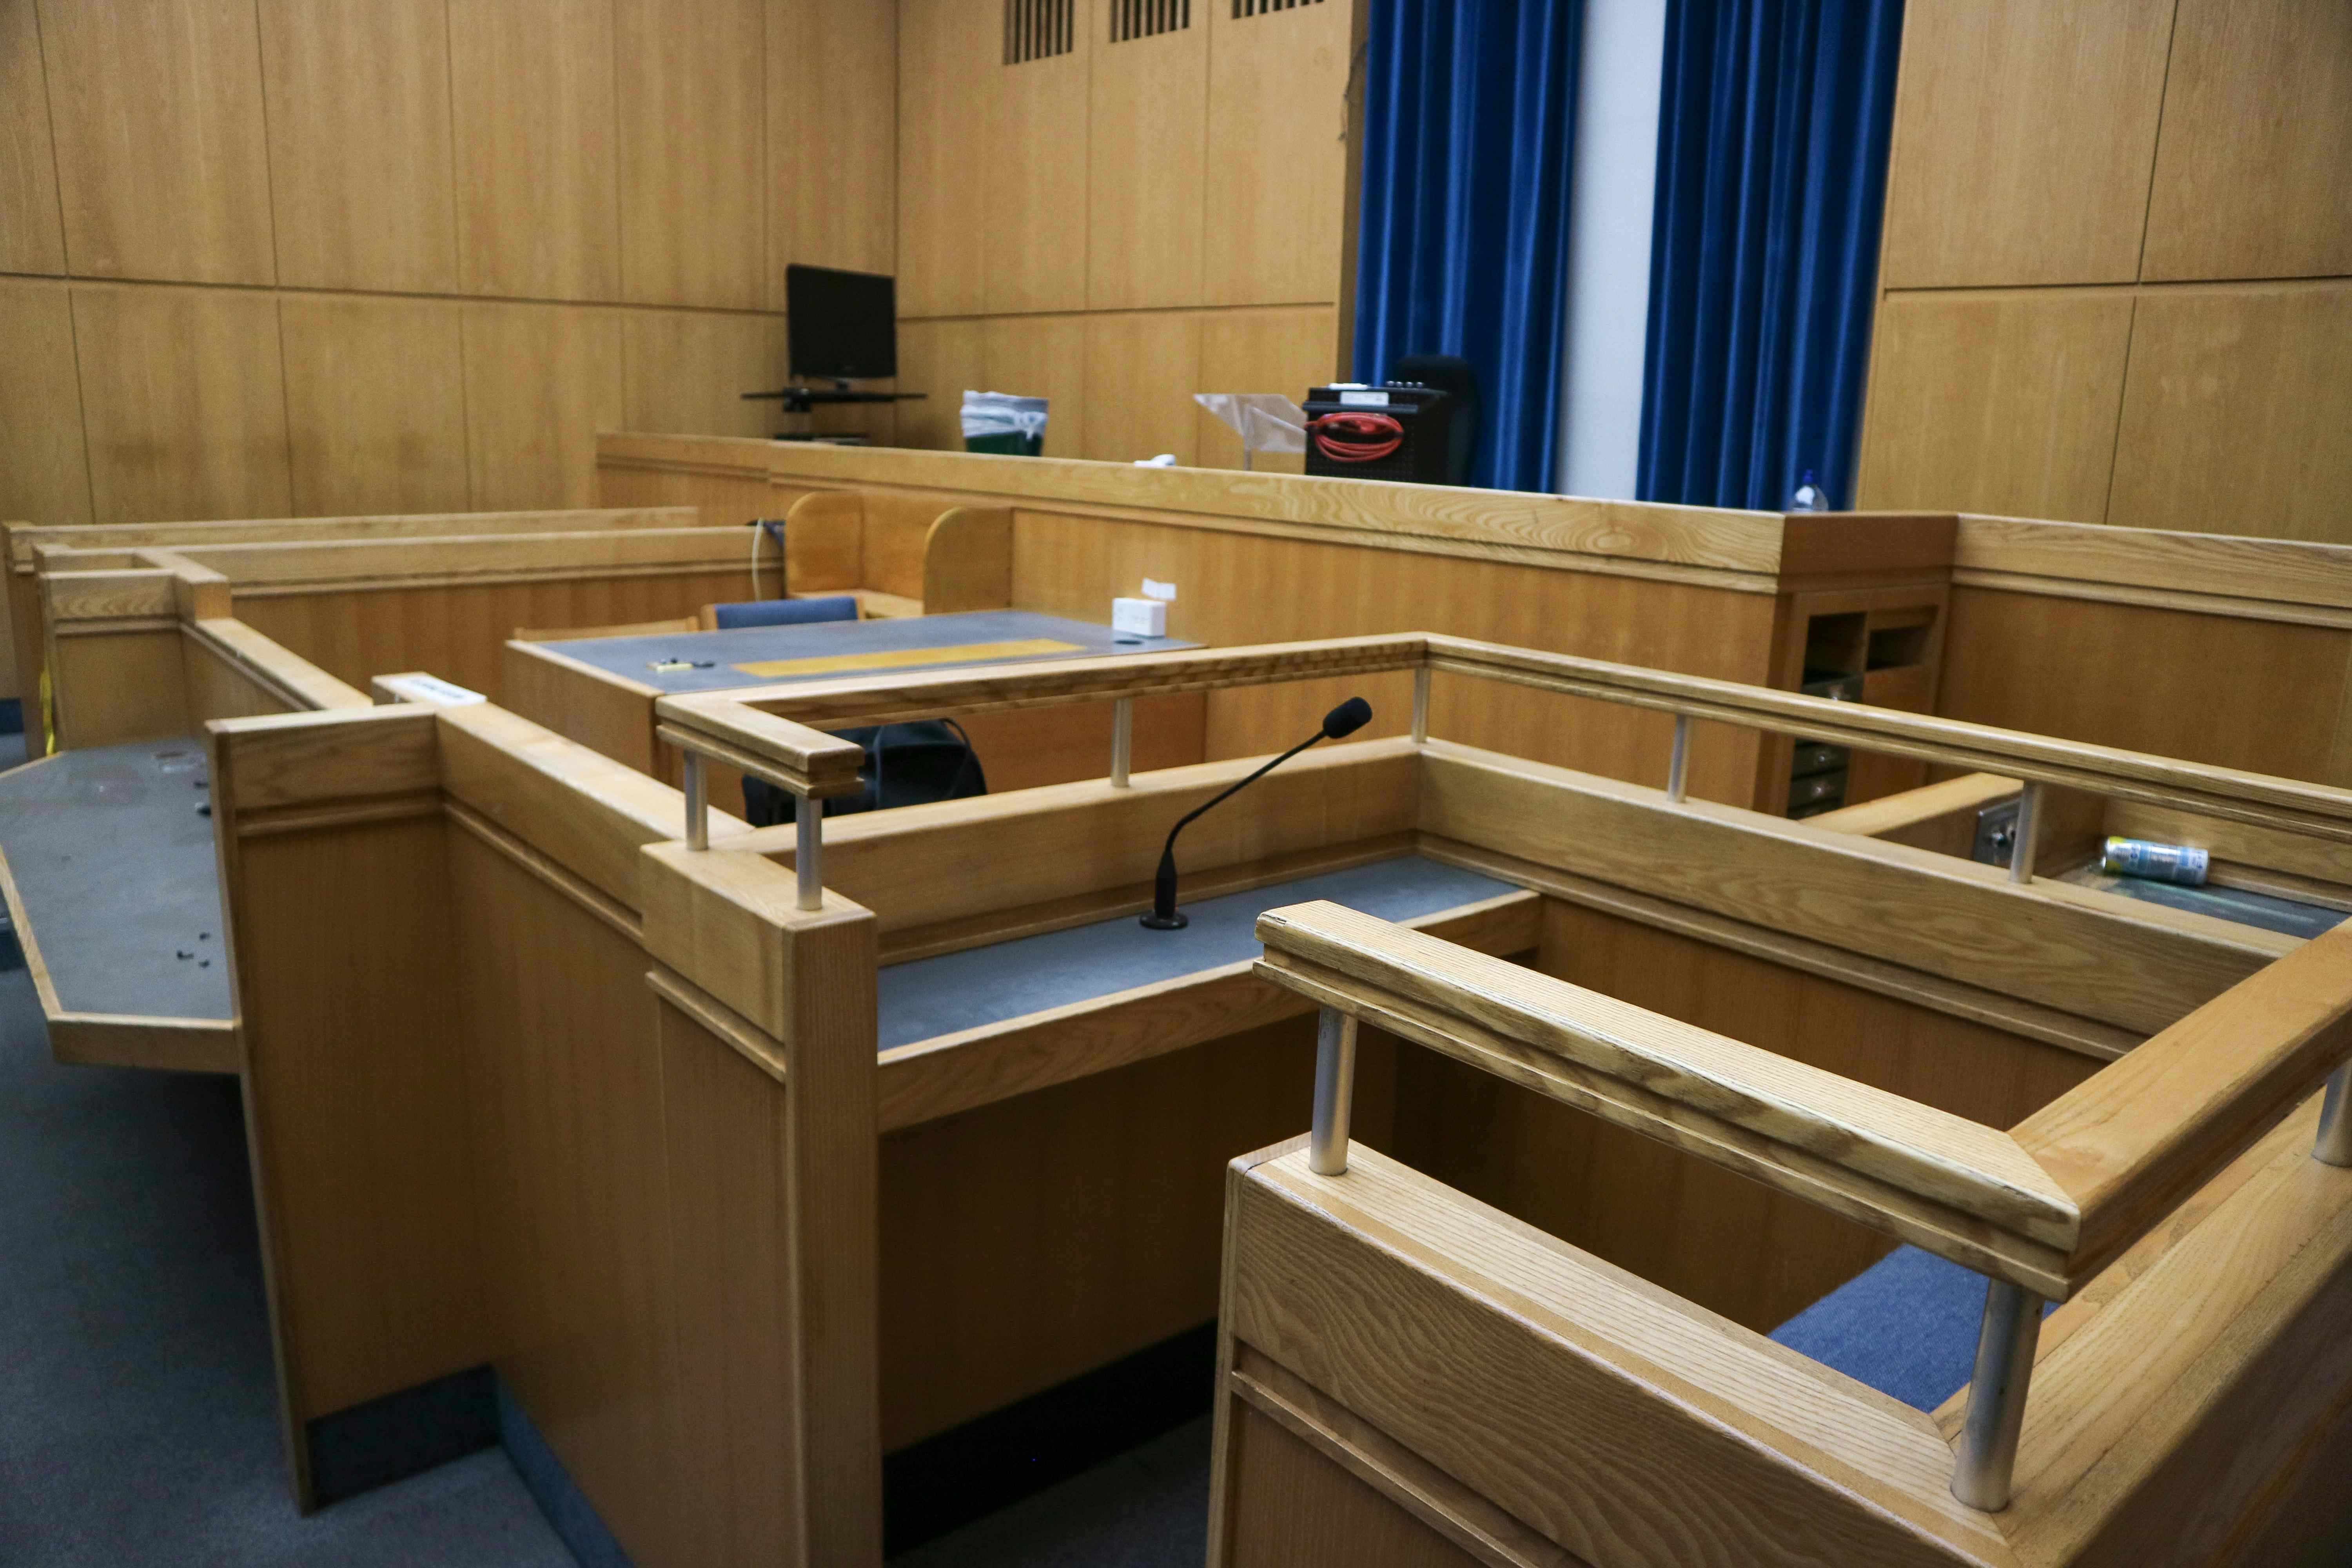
pixel 1356 436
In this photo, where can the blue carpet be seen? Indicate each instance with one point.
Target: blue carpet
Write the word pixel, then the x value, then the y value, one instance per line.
pixel 1906 1325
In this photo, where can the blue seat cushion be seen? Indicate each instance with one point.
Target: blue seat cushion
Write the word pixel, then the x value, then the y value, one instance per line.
pixel 785 612
pixel 1906 1325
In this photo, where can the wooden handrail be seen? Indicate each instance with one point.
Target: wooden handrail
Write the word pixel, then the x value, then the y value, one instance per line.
pixel 2045 1207
pixel 808 763
pixel 1960 1190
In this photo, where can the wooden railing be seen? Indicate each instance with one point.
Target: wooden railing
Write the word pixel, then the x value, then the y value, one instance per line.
pixel 2039 1210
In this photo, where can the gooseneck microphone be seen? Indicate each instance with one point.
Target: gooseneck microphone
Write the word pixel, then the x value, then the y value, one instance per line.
pixel 1338 724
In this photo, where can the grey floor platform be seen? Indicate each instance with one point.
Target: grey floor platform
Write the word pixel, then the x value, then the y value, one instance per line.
pixel 983 985
pixel 115 865
pixel 2287 916
pixel 677 662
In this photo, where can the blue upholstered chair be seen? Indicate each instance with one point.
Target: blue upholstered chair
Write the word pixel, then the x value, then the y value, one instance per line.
pixel 784 612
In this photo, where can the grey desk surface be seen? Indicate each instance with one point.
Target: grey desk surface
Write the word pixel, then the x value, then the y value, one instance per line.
pixel 983 985
pixel 715 661
pixel 114 866
pixel 2285 916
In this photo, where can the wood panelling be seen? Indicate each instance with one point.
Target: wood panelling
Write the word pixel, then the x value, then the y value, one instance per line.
pixel 1148 129
pixel 941 359
pixel 1141 370
pixel 161 157
pixel 565 1093
pixel 375 405
pixel 692 152
pixel 2024 137
pixel 32 229
pixel 832 70
pixel 2080 669
pixel 1279 147
pixel 1294 1508
pixel 536 110
pixel 540 383
pixel 345 1047
pixel 1043 356
pixel 44 475
pixel 1033 173
pixel 2237 414
pixel 688 371
pixel 183 404
pixel 1262 350
pixel 2002 403
pixel 360 172
pixel 2257 135
pixel 947 51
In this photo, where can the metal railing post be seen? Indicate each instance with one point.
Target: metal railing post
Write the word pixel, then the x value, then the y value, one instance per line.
pixel 1122 739
pixel 1335 1092
pixel 698 804
pixel 1420 704
pixel 808 851
pixel 2333 1145
pixel 1987 1459
pixel 2029 834
pixel 1678 765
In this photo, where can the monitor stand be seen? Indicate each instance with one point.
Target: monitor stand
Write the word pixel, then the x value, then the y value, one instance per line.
pixel 801 399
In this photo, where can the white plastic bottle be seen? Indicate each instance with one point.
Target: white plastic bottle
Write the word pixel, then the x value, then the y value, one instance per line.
pixel 1809 496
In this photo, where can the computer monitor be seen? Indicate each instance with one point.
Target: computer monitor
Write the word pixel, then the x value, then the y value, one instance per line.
pixel 842 325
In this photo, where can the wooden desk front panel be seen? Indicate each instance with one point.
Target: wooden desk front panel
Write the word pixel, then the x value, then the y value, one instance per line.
pixel 1242 588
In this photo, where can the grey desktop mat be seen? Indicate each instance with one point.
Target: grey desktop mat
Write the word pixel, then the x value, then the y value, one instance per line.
pixel 984 985
pixel 2286 916
pixel 721 652
pixel 115 867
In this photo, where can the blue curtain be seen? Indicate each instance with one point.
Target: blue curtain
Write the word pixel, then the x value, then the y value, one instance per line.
pixel 1772 129
pixel 1468 111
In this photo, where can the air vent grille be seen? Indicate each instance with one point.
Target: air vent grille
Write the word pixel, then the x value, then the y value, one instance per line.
pixel 1038 29
pixel 1131 19
pixel 1264 7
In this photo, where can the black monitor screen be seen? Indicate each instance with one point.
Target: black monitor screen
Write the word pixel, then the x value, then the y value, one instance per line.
pixel 841 324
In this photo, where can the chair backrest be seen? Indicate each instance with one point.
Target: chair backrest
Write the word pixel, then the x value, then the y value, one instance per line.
pixel 1450 374
pixel 784 612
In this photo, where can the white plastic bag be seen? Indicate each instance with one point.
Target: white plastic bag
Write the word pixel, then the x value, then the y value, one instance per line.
pixel 1003 414
pixel 1265 421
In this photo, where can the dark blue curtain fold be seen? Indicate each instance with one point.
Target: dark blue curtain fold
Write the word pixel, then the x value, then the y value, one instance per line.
pixel 1469 106
pixel 1773 124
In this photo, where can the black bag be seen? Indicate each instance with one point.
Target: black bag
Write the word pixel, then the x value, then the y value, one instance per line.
pixel 905 765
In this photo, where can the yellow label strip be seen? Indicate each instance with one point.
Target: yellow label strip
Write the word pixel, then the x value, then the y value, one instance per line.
pixel 899 659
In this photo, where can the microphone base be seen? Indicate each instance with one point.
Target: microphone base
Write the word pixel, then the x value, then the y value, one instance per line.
pixel 1164 922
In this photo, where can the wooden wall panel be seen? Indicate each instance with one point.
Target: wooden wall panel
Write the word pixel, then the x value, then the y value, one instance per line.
pixel 360 181
pixel 32 228
pixel 183 401
pixel 1278 154
pixel 2002 402
pixel 1033 173
pixel 541 381
pixel 833 76
pixel 1147 176
pixel 941 359
pixel 536 111
pixel 375 406
pixel 1141 370
pixel 947 54
pixel 1292 1507
pixel 2024 137
pixel 2076 667
pixel 1262 350
pixel 1043 356
pixel 2237 414
pixel 2257 134
pixel 563 1078
pixel 687 371
pixel 44 475
pixel 161 157
pixel 693 163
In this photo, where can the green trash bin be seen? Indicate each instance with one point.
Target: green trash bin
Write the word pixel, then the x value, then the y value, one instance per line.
pixel 1004 424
